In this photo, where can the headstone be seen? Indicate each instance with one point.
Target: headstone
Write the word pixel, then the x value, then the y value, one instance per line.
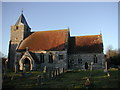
pixel 63 70
pixel 58 71
pixel 38 79
pixel 16 68
pixel 91 68
pixel 106 65
pixel 4 72
pixel 54 73
pixel 12 77
pixel 44 76
pixel 48 75
pixel 108 75
pixel 105 71
pixel 41 79
pixel 44 69
pixel 87 83
pixel 6 65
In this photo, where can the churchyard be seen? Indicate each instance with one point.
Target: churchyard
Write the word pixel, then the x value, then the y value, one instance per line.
pixel 62 79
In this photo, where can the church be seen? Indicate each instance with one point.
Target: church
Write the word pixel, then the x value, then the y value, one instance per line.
pixel 52 49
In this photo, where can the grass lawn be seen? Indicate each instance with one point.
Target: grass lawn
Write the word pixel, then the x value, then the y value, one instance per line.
pixel 70 79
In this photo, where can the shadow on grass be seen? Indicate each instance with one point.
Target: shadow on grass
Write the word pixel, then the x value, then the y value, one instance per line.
pixel 70 79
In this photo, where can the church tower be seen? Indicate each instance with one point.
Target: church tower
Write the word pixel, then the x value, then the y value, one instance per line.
pixel 19 32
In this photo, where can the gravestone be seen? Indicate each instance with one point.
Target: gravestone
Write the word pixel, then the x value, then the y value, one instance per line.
pixel 5 68
pixel 12 77
pixel 38 79
pixel 58 71
pixel 87 83
pixel 44 76
pixel 16 68
pixel 63 70
pixel 106 65
pixel 42 79
pixel 108 74
pixel 45 69
pixel 105 70
pixel 54 73
pixel 91 68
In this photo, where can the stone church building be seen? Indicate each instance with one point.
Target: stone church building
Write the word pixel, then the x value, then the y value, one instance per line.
pixel 52 49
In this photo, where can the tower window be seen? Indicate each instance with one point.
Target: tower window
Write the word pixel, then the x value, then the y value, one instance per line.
pixel 16 27
pixel 95 59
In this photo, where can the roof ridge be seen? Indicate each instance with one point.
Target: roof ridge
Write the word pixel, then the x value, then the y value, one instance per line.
pixel 52 30
pixel 87 35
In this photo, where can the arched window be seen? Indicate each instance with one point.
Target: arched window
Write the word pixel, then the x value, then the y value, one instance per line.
pixel 50 58
pixel 41 58
pixel 95 59
pixel 71 61
pixel 80 61
pixel 60 56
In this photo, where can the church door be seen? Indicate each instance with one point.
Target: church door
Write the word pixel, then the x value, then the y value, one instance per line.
pixel 27 64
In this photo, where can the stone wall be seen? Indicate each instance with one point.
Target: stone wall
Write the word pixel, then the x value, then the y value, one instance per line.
pixel 18 33
pixel 11 54
pixel 77 61
pixel 58 61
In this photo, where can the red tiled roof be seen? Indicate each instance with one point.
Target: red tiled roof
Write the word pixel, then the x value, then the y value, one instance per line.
pixel 45 40
pixel 88 40
pixel 86 44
